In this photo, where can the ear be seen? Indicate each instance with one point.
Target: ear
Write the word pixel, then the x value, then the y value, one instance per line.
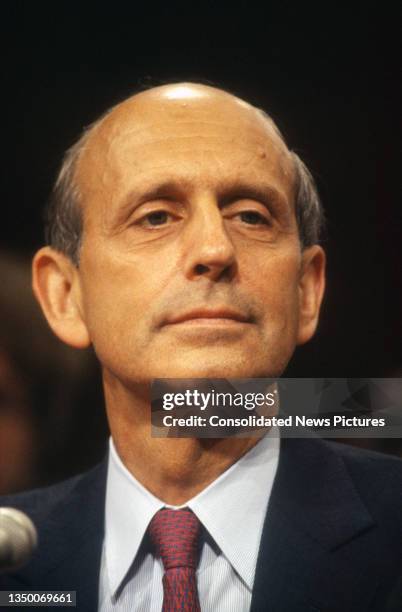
pixel 56 284
pixel 311 291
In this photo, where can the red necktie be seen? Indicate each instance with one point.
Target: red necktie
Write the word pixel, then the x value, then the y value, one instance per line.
pixel 174 534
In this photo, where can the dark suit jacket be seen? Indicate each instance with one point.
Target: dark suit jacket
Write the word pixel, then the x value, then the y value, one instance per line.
pixel 332 540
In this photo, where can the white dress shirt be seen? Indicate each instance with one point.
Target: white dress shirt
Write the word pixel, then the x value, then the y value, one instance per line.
pixel 232 511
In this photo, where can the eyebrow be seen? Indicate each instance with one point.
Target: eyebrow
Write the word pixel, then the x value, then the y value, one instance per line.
pixel 262 193
pixel 227 191
pixel 159 189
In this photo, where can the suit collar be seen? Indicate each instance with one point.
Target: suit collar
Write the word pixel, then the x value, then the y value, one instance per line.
pixel 315 491
pixel 314 509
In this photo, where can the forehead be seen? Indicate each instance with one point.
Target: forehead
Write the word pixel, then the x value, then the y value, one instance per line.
pixel 195 138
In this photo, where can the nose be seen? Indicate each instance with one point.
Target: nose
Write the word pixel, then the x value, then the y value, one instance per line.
pixel 209 250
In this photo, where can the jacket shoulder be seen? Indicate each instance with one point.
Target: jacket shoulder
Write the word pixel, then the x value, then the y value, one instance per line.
pixel 368 463
pixel 378 479
pixel 69 519
pixel 42 501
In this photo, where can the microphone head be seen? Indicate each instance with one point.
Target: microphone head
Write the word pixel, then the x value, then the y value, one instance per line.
pixel 18 538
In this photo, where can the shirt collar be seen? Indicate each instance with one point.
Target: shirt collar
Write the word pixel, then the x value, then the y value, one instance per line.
pixel 238 498
pixel 128 511
pixel 233 507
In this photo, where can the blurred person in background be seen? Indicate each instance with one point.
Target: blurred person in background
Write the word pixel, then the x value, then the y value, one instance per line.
pixel 46 390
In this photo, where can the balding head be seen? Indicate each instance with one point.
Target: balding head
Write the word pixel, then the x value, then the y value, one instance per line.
pixel 176 102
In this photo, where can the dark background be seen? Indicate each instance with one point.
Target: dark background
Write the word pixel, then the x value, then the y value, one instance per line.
pixel 326 74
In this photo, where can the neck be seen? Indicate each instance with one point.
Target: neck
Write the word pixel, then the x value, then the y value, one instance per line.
pixel 172 469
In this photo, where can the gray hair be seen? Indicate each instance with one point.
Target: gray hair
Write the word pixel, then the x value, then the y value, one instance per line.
pixel 310 214
pixel 64 219
pixel 63 213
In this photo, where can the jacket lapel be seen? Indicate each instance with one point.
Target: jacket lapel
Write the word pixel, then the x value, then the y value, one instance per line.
pixel 314 509
pixel 70 541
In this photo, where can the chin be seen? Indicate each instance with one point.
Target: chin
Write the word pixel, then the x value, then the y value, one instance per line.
pixel 220 368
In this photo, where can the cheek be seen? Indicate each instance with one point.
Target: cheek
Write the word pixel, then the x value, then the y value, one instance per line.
pixel 118 297
pixel 275 282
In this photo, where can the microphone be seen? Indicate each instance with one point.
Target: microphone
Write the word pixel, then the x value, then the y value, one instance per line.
pixel 18 539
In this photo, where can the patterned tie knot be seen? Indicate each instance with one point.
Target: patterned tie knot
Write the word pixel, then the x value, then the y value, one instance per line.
pixel 174 533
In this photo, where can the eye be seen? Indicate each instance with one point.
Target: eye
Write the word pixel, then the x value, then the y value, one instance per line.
pixel 159 217
pixel 252 217
pixel 156 218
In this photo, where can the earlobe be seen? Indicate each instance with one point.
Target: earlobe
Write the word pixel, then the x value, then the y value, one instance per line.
pixel 55 282
pixel 311 291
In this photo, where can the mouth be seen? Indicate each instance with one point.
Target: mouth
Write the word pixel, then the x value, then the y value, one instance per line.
pixel 209 317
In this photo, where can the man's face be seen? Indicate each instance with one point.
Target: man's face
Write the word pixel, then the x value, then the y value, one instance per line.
pixel 190 262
